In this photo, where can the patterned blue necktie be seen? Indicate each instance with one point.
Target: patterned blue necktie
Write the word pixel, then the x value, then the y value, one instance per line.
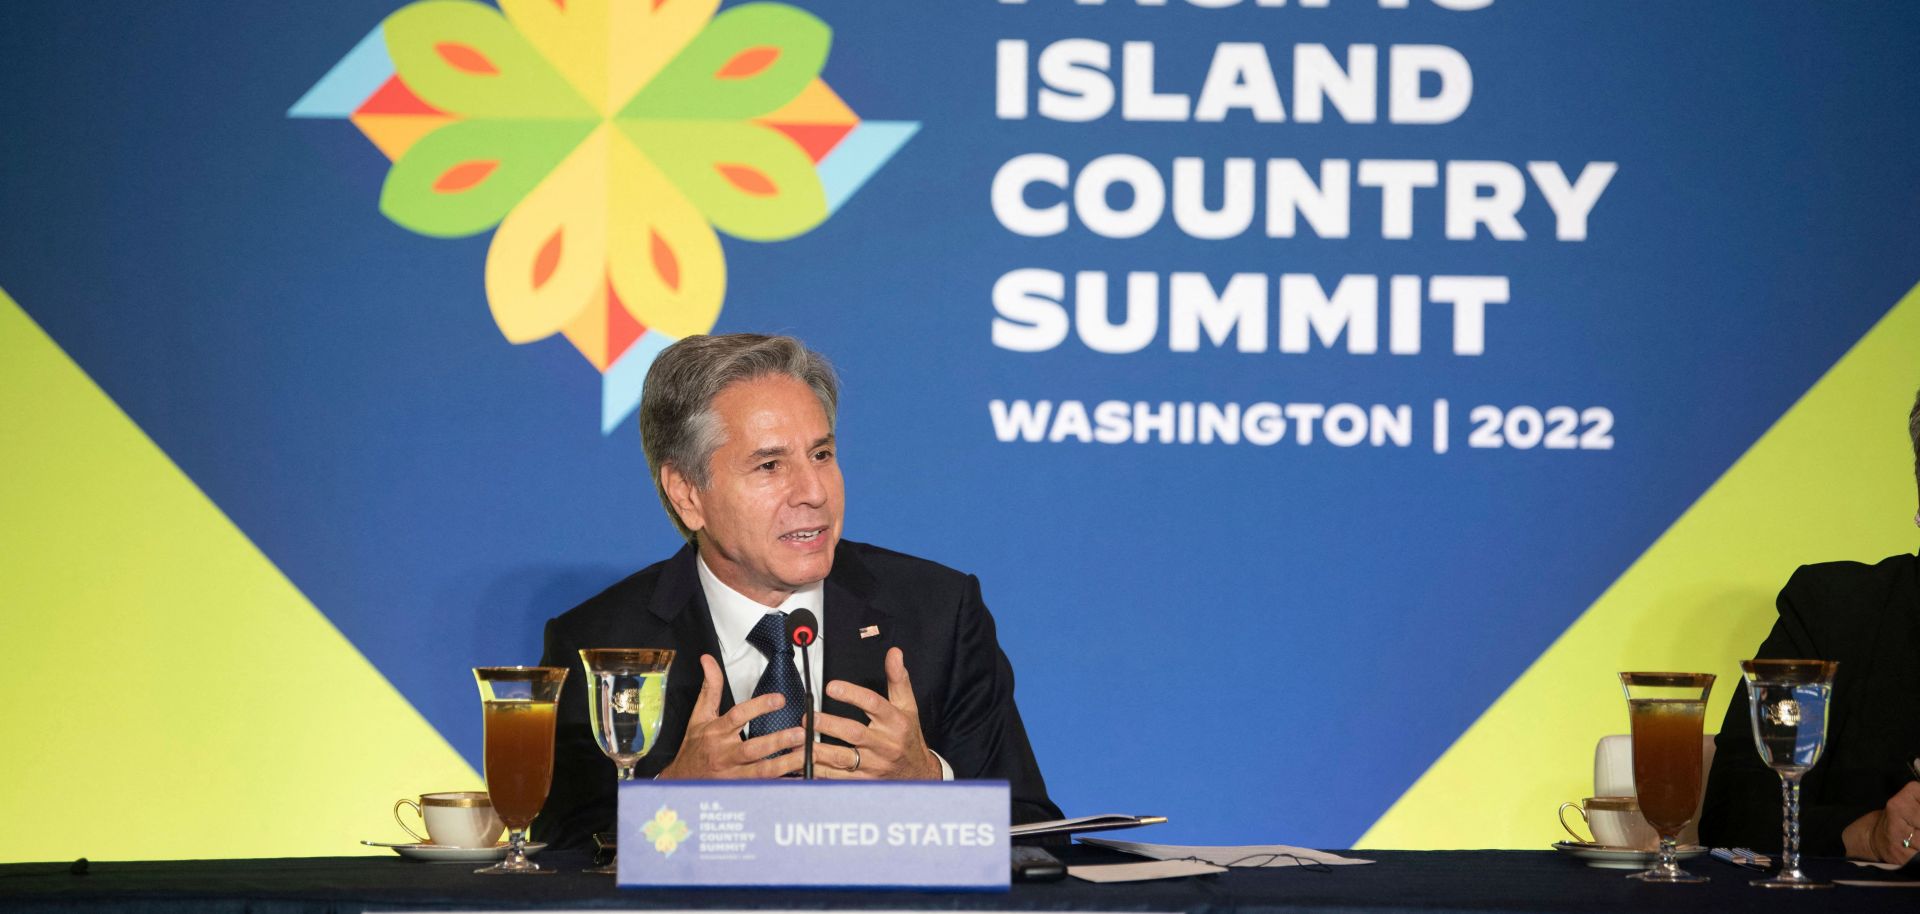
pixel 770 636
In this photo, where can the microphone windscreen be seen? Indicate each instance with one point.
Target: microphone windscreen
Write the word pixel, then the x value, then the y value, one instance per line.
pixel 802 627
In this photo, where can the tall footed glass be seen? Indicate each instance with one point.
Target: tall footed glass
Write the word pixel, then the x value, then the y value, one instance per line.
pixel 1668 712
pixel 1787 702
pixel 626 693
pixel 519 704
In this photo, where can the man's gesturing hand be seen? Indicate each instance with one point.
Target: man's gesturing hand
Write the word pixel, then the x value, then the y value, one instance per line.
pixel 713 749
pixel 890 744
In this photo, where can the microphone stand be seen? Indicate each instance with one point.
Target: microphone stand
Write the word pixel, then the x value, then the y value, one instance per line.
pixel 806 689
pixel 803 631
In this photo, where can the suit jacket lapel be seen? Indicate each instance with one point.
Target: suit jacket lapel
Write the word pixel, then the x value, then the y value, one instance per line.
pixel 850 607
pixel 680 604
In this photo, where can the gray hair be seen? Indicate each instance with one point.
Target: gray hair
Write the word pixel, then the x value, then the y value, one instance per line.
pixel 678 426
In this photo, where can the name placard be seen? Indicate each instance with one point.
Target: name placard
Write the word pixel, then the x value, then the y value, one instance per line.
pixel 871 834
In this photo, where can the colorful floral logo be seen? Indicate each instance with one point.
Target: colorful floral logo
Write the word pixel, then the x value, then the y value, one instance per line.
pixel 665 830
pixel 607 144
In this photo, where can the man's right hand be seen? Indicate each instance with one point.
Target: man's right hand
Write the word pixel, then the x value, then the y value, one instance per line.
pixel 713 749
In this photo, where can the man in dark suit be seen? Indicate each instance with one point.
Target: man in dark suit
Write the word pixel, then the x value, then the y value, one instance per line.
pixel 1860 800
pixel 738 432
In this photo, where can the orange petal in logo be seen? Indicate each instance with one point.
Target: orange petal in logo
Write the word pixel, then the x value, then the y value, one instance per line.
pixel 464 176
pixel 665 264
pixel 548 259
pixel 465 58
pixel 748 62
pixel 749 179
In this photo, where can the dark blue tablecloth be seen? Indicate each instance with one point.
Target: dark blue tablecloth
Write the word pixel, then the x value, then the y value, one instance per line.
pixel 1423 881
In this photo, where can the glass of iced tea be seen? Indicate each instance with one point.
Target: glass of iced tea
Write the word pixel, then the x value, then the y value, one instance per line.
pixel 1787 703
pixel 1668 712
pixel 518 703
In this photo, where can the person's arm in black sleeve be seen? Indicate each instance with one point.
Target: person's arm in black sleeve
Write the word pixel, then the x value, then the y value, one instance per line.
pixel 982 735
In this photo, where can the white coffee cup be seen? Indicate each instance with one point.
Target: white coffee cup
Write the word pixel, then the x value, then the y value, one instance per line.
pixel 463 818
pixel 1614 821
pixel 1613 766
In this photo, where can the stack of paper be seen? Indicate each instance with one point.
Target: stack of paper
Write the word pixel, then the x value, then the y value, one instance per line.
pixel 1104 822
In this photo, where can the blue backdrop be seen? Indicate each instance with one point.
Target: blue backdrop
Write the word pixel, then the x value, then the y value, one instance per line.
pixel 1194 625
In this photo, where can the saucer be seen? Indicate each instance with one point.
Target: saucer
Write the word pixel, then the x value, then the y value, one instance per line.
pixel 442 854
pixel 1621 858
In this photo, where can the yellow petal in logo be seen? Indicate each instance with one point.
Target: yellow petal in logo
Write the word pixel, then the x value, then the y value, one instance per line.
pixel 549 257
pixel 667 266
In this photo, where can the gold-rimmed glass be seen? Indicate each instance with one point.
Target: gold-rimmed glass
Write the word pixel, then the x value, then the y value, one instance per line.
pixel 626 694
pixel 1668 713
pixel 1787 703
pixel 519 704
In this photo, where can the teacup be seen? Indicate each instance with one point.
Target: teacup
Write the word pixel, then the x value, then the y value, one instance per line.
pixel 463 818
pixel 1614 821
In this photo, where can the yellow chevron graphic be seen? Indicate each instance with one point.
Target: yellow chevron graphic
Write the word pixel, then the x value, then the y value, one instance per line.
pixel 1833 479
pixel 172 694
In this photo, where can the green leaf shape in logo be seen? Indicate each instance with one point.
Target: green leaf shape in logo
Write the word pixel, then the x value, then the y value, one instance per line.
pixel 748 61
pixel 466 59
pixel 465 176
pixel 749 180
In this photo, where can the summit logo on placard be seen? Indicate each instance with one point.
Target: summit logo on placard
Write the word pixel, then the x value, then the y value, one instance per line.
pixel 606 144
pixel 666 830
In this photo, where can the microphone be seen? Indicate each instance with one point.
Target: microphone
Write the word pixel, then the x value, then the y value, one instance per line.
pixel 802 630
pixel 801 627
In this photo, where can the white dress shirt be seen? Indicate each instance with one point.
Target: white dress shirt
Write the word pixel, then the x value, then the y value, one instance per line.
pixel 734 616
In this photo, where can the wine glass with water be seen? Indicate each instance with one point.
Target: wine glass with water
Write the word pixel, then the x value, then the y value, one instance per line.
pixel 1787 702
pixel 626 693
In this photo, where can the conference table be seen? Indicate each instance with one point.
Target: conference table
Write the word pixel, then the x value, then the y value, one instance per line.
pixel 1425 881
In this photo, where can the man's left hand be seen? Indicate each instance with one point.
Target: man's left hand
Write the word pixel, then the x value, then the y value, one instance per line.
pixel 1889 833
pixel 889 746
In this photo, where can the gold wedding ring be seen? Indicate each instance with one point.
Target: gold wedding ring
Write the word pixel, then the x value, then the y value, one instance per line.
pixel 856 758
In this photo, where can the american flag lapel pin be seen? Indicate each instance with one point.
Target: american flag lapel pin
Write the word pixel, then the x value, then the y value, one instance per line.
pixel 870 631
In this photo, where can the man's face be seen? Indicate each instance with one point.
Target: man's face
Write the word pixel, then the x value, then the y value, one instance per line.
pixel 770 515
